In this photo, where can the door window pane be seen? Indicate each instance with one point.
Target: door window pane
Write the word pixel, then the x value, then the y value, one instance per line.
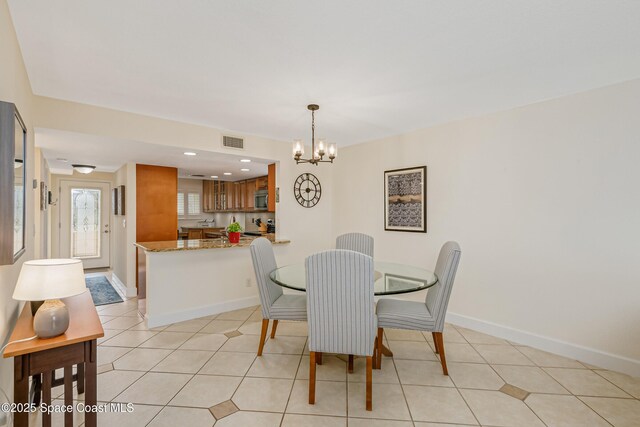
pixel 85 222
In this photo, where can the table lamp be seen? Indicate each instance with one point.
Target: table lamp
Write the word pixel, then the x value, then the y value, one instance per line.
pixel 50 280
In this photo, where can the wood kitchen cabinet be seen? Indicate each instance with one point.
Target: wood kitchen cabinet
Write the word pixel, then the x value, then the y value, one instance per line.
pixel 221 196
pixel 249 195
pixel 218 197
pixel 262 183
pixel 237 200
pixel 207 196
pixel 271 186
pixel 242 195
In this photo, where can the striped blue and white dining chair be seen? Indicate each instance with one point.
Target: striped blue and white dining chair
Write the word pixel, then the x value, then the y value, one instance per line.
pixel 427 316
pixel 358 242
pixel 340 310
pixel 275 304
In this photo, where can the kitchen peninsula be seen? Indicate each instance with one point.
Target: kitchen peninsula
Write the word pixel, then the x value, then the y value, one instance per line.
pixel 186 279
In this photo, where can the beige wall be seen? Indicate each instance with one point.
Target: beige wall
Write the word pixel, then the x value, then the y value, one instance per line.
pixel 15 87
pixel 123 228
pixel 544 202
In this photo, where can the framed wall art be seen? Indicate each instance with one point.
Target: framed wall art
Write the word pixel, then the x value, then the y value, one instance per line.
pixel 44 196
pixel 405 199
pixel 114 200
pixel 121 200
pixel 13 184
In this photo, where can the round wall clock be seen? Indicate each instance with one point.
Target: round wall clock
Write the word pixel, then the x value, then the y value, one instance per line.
pixel 307 190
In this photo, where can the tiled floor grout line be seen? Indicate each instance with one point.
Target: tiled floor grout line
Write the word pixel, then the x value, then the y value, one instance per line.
pixel 586 369
pixel 463 399
pixel 615 385
pixel 594 411
pixel 249 320
pixel 406 402
pixel 169 401
pixel 523 400
pixel 293 383
pixel 169 354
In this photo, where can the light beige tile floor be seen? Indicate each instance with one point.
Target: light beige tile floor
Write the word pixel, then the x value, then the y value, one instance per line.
pixel 174 374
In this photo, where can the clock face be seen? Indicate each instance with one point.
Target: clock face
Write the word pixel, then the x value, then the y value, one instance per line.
pixel 307 190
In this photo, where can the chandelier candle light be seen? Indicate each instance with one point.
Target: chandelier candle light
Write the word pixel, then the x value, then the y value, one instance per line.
pixel 318 153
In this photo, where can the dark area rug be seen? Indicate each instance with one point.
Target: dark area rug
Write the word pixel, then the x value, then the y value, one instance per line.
pixel 102 291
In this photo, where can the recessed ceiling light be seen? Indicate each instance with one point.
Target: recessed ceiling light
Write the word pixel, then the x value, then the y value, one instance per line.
pixel 60 159
pixel 245 160
pixel 214 176
pixel 245 170
pixel 227 173
pixel 189 153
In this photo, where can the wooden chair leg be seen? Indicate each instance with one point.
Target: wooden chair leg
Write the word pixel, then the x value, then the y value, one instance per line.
pixel 273 328
pixel 379 358
pixel 369 382
pixel 351 363
pixel 375 353
pixel 435 341
pixel 443 360
pixel 263 335
pixel 319 358
pixel 312 377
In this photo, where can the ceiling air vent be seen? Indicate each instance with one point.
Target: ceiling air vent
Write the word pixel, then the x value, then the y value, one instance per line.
pixel 233 142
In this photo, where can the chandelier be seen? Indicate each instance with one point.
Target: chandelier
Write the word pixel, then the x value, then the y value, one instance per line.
pixel 318 153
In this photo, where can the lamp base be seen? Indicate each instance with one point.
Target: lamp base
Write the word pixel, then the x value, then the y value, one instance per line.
pixel 35 305
pixel 51 319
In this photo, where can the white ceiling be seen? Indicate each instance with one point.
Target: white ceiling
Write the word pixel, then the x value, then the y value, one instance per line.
pixel 109 154
pixel 375 67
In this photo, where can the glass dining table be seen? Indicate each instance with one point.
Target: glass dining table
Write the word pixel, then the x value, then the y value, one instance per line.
pixel 390 279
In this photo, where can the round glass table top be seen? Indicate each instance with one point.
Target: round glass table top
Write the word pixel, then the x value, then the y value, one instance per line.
pixel 390 278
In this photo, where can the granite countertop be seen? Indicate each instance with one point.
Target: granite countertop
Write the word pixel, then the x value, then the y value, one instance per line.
pixel 191 245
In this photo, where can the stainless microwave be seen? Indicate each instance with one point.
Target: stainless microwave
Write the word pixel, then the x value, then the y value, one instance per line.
pixel 260 200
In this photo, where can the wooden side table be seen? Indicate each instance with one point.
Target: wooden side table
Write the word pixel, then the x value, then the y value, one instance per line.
pixel 77 346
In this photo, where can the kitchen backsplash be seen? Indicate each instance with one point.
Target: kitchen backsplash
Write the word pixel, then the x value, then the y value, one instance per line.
pixel 223 219
pixel 249 221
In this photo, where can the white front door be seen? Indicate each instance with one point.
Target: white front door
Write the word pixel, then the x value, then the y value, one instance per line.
pixel 84 222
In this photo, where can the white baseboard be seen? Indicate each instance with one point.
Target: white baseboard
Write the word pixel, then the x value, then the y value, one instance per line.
pixel 574 351
pixel 207 310
pixel 122 288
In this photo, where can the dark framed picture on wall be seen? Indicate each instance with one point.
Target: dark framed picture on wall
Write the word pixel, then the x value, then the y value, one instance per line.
pixel 114 201
pixel 405 199
pixel 121 199
pixel 44 194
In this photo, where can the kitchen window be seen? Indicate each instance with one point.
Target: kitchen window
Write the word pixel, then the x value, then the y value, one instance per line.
pixel 188 204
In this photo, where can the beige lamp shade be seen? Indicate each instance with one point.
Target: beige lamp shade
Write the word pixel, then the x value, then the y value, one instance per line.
pixel 46 279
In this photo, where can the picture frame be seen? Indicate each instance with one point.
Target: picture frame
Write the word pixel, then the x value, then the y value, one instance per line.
pixel 121 200
pixel 114 200
pixel 405 199
pixel 13 184
pixel 44 196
